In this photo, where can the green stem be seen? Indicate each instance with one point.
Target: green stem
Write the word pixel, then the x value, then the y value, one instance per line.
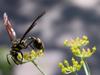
pixel 86 68
pixel 38 67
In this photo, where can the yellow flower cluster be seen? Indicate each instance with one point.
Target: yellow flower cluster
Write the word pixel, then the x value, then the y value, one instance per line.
pixel 77 42
pixel 78 49
pixel 76 46
pixel 66 68
pixel 30 56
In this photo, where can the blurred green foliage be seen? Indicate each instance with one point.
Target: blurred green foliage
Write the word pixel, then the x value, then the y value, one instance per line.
pixel 5 68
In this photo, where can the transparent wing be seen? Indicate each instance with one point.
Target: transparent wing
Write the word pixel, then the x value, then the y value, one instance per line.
pixel 9 27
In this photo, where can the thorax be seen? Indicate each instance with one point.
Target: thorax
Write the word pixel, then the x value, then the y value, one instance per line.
pixel 17 45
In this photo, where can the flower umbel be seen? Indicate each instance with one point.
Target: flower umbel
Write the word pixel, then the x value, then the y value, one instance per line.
pixel 31 56
pixel 77 47
pixel 77 42
pixel 66 68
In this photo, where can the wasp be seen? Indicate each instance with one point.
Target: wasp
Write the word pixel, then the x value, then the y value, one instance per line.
pixel 22 43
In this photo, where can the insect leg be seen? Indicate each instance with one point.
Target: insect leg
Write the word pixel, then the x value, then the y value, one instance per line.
pixel 16 62
pixel 15 58
pixel 30 40
pixel 31 46
pixel 36 43
pixel 7 56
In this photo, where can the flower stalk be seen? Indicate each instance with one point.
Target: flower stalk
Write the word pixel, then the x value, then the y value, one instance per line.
pixel 38 67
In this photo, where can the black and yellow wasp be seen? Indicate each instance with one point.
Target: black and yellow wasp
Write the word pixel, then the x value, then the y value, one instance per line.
pixel 21 43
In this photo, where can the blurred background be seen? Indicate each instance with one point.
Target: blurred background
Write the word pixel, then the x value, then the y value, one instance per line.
pixel 64 19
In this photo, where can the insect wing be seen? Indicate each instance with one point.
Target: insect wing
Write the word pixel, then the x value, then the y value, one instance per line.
pixel 32 25
pixel 9 27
